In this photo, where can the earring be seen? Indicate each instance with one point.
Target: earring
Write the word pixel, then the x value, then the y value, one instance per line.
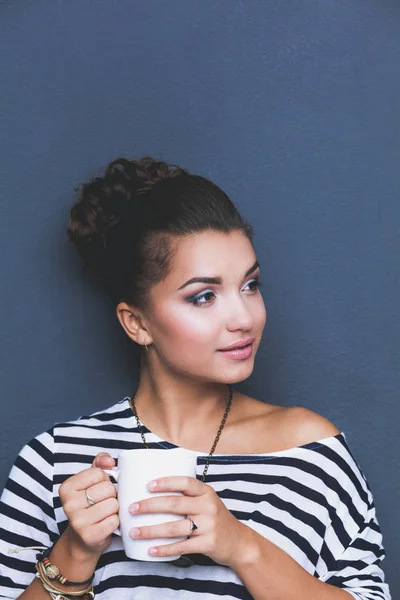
pixel 146 347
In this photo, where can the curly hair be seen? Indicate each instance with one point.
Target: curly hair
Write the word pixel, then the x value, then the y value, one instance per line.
pixel 125 225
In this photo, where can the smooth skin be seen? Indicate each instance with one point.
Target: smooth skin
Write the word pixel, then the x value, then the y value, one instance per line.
pixel 181 397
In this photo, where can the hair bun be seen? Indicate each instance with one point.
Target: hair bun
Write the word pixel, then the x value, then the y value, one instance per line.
pixel 123 178
pixel 139 176
pixel 105 201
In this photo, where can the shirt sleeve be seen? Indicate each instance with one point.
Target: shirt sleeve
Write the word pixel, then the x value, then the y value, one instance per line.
pixel 26 515
pixel 353 551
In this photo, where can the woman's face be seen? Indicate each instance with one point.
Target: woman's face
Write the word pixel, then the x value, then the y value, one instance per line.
pixel 191 322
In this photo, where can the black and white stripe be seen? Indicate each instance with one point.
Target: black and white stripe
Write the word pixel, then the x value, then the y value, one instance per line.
pixel 312 501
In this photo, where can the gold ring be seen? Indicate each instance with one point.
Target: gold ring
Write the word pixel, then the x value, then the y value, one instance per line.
pixel 90 500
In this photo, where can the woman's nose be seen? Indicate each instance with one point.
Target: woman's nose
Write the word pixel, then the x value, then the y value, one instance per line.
pixel 239 315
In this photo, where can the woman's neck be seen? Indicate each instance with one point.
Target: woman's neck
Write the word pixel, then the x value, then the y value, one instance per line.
pixel 179 411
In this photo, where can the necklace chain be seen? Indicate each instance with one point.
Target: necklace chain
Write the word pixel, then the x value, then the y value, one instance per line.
pixel 228 406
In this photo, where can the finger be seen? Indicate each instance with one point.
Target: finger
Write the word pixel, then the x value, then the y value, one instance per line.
pixel 103 460
pixel 189 546
pixel 83 480
pixel 179 505
pixel 179 483
pixel 98 492
pixel 97 513
pixel 181 528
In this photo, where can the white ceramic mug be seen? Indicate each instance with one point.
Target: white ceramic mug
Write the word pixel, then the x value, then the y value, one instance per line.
pixel 135 469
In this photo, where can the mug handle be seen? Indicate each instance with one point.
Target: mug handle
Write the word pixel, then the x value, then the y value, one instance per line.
pixel 115 474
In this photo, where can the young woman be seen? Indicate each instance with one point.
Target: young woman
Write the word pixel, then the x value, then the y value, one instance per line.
pixel 279 509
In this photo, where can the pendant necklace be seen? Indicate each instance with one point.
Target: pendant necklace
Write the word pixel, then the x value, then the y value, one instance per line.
pixel 184 560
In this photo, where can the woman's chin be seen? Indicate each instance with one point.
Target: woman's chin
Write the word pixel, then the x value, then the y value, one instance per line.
pixel 236 373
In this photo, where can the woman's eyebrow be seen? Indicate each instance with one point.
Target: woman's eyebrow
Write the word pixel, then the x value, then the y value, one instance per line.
pixel 216 280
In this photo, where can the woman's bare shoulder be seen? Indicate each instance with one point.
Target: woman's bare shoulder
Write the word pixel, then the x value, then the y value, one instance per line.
pixel 308 426
pixel 285 426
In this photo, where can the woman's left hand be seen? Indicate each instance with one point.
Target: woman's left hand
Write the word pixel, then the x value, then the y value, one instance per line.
pixel 219 535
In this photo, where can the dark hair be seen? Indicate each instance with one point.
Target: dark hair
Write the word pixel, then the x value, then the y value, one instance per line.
pixel 124 225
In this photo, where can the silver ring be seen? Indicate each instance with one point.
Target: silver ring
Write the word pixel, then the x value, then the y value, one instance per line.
pixel 90 500
pixel 193 527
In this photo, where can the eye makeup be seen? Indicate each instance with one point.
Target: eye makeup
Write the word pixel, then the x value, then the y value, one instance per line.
pixel 196 300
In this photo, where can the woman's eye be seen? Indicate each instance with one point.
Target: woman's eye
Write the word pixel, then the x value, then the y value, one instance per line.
pixel 256 283
pixel 201 299
pixel 197 300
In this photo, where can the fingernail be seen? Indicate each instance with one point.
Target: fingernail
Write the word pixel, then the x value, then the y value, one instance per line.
pixel 152 485
pixel 135 531
pixel 153 551
pixel 134 508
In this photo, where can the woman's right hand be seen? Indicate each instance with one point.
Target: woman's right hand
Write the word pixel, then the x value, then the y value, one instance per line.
pixel 90 528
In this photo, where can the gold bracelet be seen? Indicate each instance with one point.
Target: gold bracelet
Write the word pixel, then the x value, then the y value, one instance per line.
pixel 43 572
pixel 45 580
pixel 80 594
pixel 48 585
pixel 53 594
pixel 53 572
pixel 56 595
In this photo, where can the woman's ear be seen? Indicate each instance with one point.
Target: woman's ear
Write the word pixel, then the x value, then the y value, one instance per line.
pixel 132 321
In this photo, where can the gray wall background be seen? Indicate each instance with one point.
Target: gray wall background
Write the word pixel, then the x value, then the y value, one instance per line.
pixel 291 107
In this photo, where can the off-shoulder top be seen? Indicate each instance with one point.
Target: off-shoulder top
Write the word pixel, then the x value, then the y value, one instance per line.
pixel 313 501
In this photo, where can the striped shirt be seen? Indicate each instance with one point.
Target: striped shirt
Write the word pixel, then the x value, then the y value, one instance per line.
pixel 312 501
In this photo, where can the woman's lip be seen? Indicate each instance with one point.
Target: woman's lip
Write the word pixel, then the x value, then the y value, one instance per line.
pixel 239 345
pixel 239 353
